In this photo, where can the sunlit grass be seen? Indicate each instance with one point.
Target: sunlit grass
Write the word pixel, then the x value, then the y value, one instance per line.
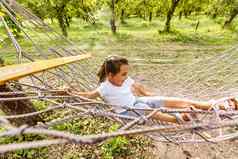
pixel 139 38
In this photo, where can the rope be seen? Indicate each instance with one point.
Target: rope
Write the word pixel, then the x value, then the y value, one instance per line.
pixel 40 87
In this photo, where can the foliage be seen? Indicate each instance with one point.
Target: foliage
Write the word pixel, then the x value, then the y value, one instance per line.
pixel 187 7
pixel 39 153
pixel 12 26
pixel 112 148
pixel 65 10
pixel 37 7
pixel 117 146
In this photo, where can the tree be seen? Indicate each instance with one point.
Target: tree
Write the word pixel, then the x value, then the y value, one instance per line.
pixel 85 9
pixel 113 17
pixel 227 8
pixel 122 9
pixel 170 13
pixel 232 6
pixel 233 14
pixel 187 7
pixel 37 7
pixel 146 8
pixel 63 10
pixel 60 9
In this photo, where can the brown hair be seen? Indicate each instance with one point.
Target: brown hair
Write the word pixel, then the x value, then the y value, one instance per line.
pixel 112 65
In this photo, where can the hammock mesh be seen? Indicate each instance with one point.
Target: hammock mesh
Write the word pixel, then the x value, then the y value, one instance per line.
pixel 210 78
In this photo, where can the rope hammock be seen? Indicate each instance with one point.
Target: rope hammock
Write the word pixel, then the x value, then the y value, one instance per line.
pixel 212 78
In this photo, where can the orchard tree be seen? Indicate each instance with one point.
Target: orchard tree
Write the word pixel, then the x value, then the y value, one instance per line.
pixel 170 13
pixel 63 11
pixel 184 7
pixel 232 7
pixel 36 6
pixel 85 9
pixel 187 7
pixel 113 17
pixel 123 9
pixel 224 8
pixel 146 8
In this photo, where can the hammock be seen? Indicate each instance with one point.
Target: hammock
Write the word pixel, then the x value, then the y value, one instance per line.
pixel 204 79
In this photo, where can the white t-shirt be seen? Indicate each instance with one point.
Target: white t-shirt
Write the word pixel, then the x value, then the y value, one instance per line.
pixel 117 95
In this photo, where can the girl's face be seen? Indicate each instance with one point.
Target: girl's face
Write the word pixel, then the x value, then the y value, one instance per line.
pixel 120 77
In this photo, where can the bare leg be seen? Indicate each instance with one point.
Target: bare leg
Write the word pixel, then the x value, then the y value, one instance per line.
pixel 164 117
pixel 185 103
pixel 173 102
pixel 168 118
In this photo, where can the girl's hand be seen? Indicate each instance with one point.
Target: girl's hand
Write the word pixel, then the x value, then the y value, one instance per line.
pixel 65 90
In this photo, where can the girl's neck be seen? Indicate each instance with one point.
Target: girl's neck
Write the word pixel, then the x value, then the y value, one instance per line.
pixel 113 83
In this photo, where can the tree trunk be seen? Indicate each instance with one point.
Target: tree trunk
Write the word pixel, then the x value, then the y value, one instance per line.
pixel 180 15
pixel 150 16
pixel 144 10
pixel 122 16
pixel 170 15
pixel 232 16
pixel 67 21
pixel 17 107
pixel 52 20
pixel 62 20
pixel 63 26
pixel 214 14
pixel 113 19
pixel 196 28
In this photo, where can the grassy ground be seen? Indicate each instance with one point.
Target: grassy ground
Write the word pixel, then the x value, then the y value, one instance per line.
pixel 148 49
pixel 142 39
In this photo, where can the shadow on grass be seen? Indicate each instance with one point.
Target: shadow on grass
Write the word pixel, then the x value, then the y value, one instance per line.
pixel 193 37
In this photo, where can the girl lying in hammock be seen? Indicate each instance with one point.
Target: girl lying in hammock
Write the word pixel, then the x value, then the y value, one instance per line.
pixel 117 88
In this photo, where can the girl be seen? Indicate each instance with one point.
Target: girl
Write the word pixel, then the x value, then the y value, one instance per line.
pixel 117 88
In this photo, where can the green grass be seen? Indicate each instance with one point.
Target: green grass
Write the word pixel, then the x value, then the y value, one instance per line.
pixel 140 39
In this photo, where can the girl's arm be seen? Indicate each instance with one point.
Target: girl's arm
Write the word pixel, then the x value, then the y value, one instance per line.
pixel 89 94
pixel 140 90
